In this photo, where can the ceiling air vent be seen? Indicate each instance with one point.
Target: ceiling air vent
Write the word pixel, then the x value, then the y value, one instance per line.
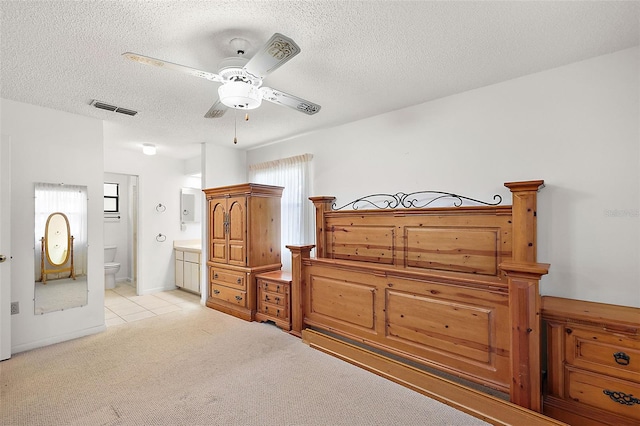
pixel 112 108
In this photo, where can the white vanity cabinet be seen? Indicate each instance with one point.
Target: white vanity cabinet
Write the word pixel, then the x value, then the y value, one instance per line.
pixel 187 269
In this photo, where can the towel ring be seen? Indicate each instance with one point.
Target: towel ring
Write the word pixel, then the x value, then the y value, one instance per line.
pixel 160 208
pixel 161 238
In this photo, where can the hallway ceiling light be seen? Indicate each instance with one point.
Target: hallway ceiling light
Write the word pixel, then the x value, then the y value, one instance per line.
pixel 149 149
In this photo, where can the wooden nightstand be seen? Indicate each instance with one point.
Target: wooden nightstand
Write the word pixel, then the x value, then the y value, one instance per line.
pixel 593 362
pixel 274 300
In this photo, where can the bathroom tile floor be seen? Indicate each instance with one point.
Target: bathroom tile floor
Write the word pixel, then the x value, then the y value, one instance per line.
pixel 122 305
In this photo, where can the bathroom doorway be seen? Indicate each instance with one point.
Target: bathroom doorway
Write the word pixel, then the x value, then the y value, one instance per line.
pixel 121 226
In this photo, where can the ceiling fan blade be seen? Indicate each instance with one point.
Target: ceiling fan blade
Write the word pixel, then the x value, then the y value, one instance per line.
pixel 164 64
pixel 217 110
pixel 276 52
pixel 285 99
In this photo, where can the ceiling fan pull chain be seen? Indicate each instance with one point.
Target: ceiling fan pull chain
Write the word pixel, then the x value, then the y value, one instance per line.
pixel 235 127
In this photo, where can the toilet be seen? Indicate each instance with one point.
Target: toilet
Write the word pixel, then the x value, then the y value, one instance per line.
pixel 111 268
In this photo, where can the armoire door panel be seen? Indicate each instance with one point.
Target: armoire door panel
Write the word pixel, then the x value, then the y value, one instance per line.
pixel 217 231
pixel 237 231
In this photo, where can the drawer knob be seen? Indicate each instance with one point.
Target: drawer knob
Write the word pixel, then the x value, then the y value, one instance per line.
pixel 216 291
pixel 266 297
pixel 621 397
pixel 239 280
pixel 238 297
pixel 215 276
pixel 622 358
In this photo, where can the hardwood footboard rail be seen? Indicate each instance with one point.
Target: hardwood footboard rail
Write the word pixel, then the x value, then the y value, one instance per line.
pixel 455 289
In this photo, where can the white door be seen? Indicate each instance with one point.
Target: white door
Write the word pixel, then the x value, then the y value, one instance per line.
pixel 5 242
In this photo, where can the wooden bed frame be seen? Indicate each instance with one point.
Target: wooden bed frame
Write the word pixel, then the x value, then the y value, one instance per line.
pixel 455 289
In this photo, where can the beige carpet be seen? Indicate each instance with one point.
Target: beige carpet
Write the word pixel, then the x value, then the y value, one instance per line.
pixel 202 367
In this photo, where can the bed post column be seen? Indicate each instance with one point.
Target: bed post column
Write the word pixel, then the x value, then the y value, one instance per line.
pixel 322 204
pixel 298 254
pixel 524 313
pixel 524 213
pixel 523 275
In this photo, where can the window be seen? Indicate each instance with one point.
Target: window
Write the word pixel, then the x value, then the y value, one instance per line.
pixel 111 198
pixel 292 174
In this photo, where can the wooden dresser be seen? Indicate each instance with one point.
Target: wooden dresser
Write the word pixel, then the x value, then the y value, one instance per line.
pixel 274 300
pixel 243 241
pixel 593 362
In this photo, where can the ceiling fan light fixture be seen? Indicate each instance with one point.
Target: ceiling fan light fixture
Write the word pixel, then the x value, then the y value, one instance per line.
pixel 240 95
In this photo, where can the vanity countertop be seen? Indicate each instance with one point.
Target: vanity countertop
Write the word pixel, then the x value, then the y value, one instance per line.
pixel 188 245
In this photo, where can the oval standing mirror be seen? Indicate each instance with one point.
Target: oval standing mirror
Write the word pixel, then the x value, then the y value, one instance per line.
pixel 57 239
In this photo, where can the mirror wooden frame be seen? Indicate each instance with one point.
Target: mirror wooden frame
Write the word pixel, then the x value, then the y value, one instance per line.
pixel 56 267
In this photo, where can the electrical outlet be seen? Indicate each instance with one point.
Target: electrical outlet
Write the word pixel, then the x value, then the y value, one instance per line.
pixel 15 308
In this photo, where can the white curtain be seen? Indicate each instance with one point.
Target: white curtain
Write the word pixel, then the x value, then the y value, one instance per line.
pixel 72 201
pixel 293 174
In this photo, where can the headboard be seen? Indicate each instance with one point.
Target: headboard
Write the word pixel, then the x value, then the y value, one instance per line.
pixel 451 288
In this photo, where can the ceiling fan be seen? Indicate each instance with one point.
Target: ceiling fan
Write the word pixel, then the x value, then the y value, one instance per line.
pixel 241 78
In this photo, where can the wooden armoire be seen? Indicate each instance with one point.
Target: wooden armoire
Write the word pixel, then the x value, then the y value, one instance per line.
pixel 243 241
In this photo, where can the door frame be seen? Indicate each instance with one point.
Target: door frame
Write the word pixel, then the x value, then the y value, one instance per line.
pixel 5 247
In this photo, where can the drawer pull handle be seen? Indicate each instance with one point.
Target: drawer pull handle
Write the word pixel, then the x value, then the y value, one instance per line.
pixel 239 280
pixel 621 397
pixel 216 291
pixel 215 276
pixel 238 297
pixel 622 358
pixel 266 297
pixel 277 299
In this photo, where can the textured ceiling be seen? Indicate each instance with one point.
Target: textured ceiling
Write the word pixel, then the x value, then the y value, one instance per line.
pixel 358 58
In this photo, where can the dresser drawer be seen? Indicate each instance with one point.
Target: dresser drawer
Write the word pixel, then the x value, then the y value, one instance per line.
pixel 225 277
pixel 179 254
pixel 273 287
pixel 190 256
pixel 602 352
pixel 273 310
pixel 228 294
pixel 606 393
pixel 278 299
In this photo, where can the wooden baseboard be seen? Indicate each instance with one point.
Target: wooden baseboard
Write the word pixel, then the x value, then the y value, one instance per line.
pixel 284 325
pixel 237 312
pixel 483 406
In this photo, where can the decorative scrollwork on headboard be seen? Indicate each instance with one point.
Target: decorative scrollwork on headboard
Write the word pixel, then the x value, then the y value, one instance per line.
pixel 412 200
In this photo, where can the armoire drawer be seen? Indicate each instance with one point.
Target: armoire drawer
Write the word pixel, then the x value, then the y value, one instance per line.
pixel 228 294
pixel 228 278
pixel 602 352
pixel 606 393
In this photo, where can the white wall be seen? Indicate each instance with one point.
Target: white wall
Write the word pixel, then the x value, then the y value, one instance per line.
pixel 56 147
pixel 576 127
pixel 223 166
pixel 160 180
